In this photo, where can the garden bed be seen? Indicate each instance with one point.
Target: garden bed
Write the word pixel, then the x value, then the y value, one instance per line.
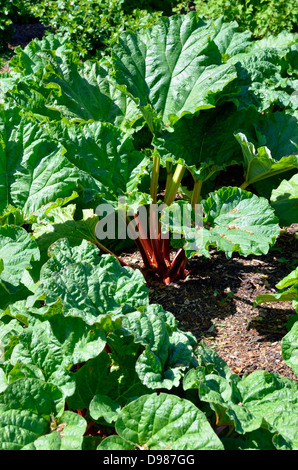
pixel 175 349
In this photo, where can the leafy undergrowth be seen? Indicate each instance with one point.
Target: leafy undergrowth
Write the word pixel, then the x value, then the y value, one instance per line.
pixel 92 360
pixel 250 15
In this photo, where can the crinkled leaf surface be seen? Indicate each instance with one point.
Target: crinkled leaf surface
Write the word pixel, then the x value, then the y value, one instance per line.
pixel 91 379
pixel 279 88
pixel 275 150
pixel 278 131
pixel 289 346
pixel 116 443
pixel 106 160
pixel 20 427
pixel 7 83
pixel 175 67
pixel 29 60
pixel 17 251
pixel 34 170
pixel 57 344
pixel 281 42
pixel 158 422
pixel 27 409
pixel 234 221
pixel 66 434
pixel 284 201
pixel 228 40
pixel 151 352
pixel 260 399
pixel 88 290
pixel 97 378
pixel 18 256
pixel 206 144
pixel 96 158
pixel 34 395
pixel 167 353
pixel 55 83
pixel 86 92
pixel 274 399
pixel 260 75
pixel 60 223
pixel 239 221
pixel 103 405
pixel 27 93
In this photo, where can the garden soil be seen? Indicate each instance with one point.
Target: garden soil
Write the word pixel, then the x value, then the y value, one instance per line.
pixel 215 303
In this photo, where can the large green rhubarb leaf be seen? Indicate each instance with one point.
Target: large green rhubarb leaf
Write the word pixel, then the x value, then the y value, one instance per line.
pixel 167 354
pixel 284 201
pixel 275 150
pixel 30 60
pixel 206 144
pixel 281 42
pixel 239 221
pixel 86 92
pixel 27 67
pixel 60 223
pixel 274 399
pixel 289 346
pixel 31 410
pixel 258 400
pixel 162 422
pixel 34 170
pixel 106 388
pixel 18 252
pixel 172 69
pixel 66 433
pixel 279 87
pixel 106 160
pixel 42 170
pixel 89 289
pixel 54 346
pixel 234 221
pixel 262 73
pixel 228 40
pixel 56 83
pixel 152 353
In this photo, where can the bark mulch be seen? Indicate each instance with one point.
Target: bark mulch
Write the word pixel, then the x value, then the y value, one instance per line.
pixel 215 303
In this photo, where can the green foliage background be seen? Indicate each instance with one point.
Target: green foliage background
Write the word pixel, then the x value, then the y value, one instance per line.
pixel 95 24
pixel 261 17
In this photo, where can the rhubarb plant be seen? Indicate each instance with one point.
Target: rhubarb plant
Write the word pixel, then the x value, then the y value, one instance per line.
pixel 115 126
